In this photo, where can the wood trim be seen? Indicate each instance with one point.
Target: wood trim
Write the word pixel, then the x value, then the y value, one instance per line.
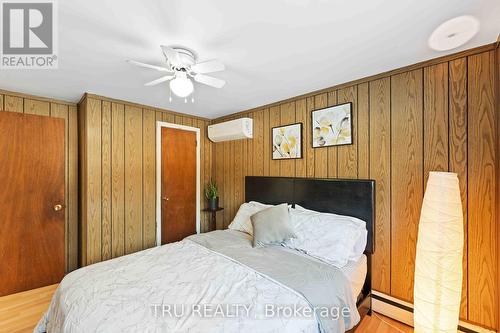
pixel 138 105
pixel 13 103
pixel 34 97
pixel 419 65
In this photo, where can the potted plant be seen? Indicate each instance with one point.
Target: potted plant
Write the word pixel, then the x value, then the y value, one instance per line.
pixel 212 195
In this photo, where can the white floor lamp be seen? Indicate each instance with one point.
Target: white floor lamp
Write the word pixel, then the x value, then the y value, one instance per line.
pixel 438 267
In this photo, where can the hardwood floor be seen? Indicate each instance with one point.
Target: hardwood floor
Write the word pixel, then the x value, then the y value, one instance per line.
pixel 21 312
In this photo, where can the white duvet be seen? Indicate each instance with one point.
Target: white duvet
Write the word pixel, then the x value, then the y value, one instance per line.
pixel 130 294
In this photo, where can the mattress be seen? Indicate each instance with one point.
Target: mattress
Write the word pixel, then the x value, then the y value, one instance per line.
pixel 355 271
pixel 356 274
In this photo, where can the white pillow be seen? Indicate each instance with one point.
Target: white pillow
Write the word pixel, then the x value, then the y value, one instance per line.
pixel 333 238
pixel 241 221
pixel 360 242
pixel 260 205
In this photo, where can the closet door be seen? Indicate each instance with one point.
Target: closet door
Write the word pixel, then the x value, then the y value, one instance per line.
pixel 31 201
pixel 178 184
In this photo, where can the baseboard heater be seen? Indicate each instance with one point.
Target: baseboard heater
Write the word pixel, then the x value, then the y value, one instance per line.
pixel 402 311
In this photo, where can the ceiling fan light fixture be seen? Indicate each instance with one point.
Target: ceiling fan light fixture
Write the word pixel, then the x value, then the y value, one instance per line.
pixel 181 86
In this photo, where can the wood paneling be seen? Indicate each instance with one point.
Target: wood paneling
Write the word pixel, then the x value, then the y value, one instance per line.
pixel 321 155
pixel 92 204
pixel 498 179
pixel 458 150
pixel 301 116
pixel 482 191
pixel 133 179
pixel 149 178
pixel 287 115
pixel 435 119
pixel 106 219
pixel 16 102
pixel 267 149
pixel 118 157
pixel 380 171
pixel 348 154
pixel 363 135
pixel 228 184
pixel 118 179
pixel 406 178
pixel 434 116
pixel 332 152
pixel 310 155
pixel 274 121
pixel 257 144
pixel 219 179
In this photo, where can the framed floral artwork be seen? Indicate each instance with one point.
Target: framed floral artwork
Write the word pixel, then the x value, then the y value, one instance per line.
pixel 287 141
pixel 332 126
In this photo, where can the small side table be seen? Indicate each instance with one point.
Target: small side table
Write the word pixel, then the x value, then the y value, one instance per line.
pixel 213 222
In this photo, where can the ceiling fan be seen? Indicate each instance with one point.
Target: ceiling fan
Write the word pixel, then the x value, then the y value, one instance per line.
pixel 182 67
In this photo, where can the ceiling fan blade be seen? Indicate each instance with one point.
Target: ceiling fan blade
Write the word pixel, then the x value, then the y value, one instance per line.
pixel 171 54
pixel 160 80
pixel 209 81
pixel 208 67
pixel 141 64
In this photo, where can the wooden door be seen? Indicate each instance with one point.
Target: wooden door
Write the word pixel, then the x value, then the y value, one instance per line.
pixel 178 184
pixel 32 187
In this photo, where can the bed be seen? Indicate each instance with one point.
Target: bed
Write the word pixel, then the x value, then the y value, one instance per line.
pixel 216 282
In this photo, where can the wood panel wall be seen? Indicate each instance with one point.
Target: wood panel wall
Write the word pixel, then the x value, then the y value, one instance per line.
pixel 15 102
pixel 439 115
pixel 118 175
pixel 498 173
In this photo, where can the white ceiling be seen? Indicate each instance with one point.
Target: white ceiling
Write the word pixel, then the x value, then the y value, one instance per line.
pixel 272 49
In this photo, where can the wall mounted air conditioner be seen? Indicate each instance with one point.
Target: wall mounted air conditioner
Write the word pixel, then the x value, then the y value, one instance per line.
pixel 231 130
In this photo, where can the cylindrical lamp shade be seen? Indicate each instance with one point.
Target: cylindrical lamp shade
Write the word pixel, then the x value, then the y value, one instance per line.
pixel 438 267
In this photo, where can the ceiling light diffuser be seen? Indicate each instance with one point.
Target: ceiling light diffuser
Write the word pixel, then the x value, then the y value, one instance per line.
pixel 454 33
pixel 181 86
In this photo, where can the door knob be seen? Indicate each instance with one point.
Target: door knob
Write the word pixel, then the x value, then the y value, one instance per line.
pixel 165 199
pixel 58 208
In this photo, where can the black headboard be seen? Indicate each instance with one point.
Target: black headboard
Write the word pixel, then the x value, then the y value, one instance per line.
pixel 338 196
